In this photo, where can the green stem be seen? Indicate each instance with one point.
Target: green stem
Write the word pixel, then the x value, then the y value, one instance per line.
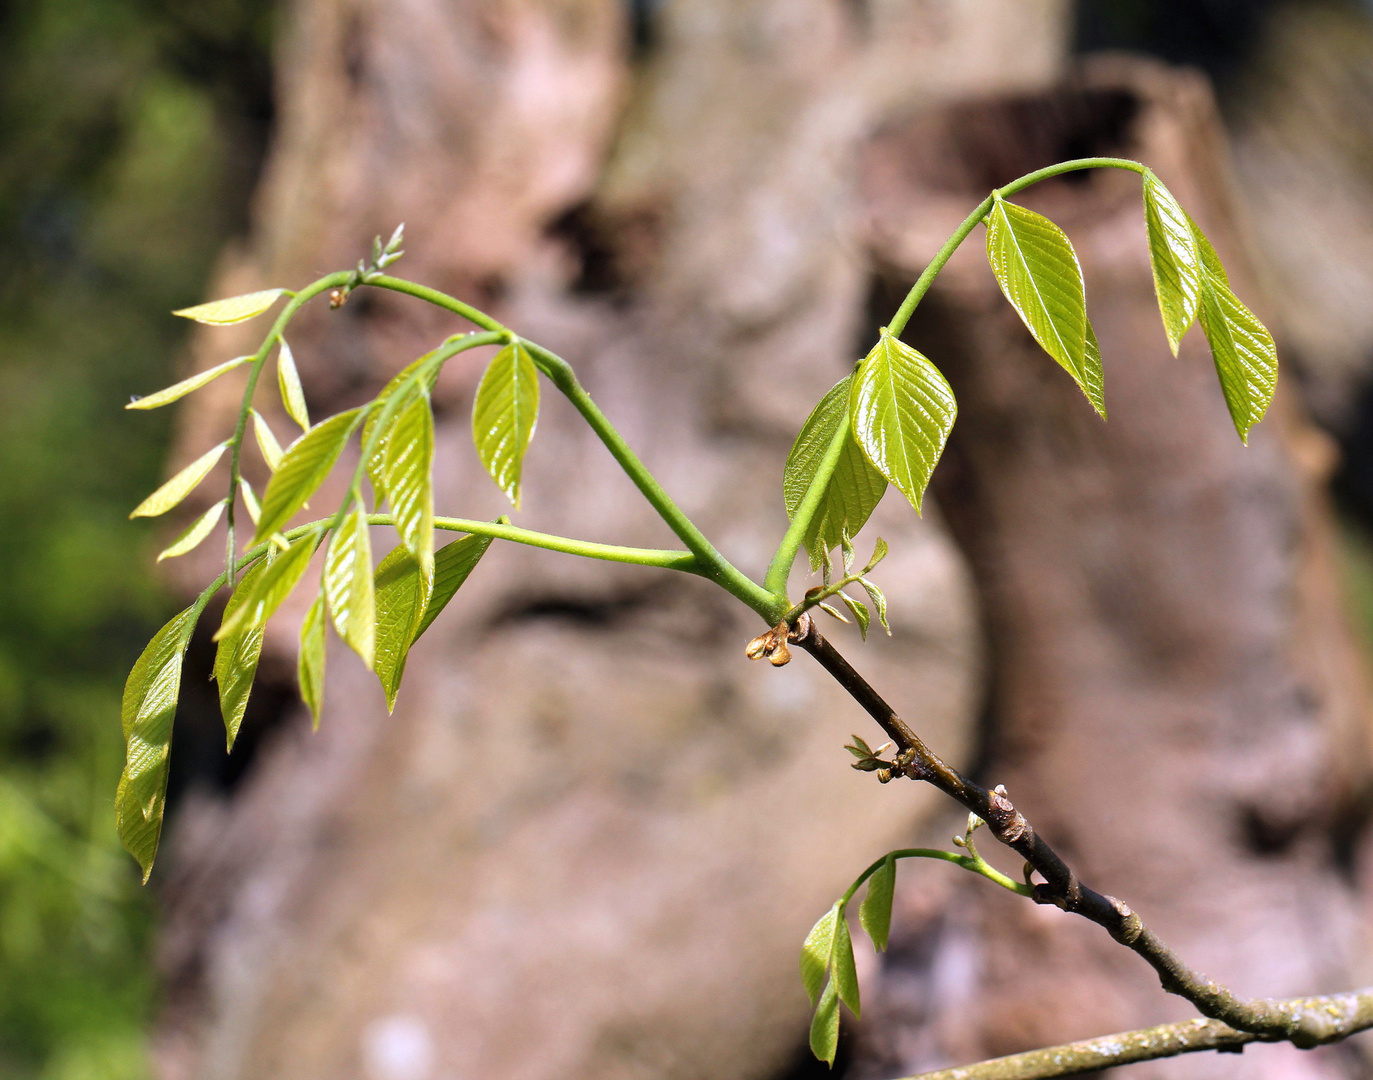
pixel 298 299
pixel 438 299
pixel 974 863
pixel 780 568
pixel 667 560
pixel 922 284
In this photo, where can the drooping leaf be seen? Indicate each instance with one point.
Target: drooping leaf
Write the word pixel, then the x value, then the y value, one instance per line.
pixel 1094 384
pixel 180 485
pixel 232 309
pixel 1210 261
pixel 292 393
pixel 250 500
pixel 843 972
pixel 875 913
pixel 504 414
pixel 1174 258
pixel 303 468
pixel 824 1026
pixel 1243 350
pixel 879 602
pixel 1038 271
pixel 452 563
pixel 860 613
pixel 266 442
pixel 816 951
pixel 270 590
pixel 200 528
pixel 855 487
pixel 902 411
pixel 237 653
pixel 147 712
pixel 177 391
pixel 348 584
pixel 376 464
pixel 310 663
pixel 402 595
pixel 410 479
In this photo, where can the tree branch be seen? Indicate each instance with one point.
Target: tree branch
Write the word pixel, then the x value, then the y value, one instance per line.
pixel 1305 1022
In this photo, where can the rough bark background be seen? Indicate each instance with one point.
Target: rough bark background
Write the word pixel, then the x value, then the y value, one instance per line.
pixel 591 837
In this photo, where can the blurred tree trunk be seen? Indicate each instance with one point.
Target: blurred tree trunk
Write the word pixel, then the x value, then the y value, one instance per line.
pixel 1176 699
pixel 591 838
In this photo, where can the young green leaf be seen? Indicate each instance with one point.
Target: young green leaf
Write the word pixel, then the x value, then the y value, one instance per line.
pixel 410 479
pixel 452 563
pixel 402 595
pixel 875 913
pixel 860 613
pixel 310 663
pixel 180 485
pixel 266 442
pixel 303 468
pixel 200 528
pixel 855 487
pixel 267 594
pixel 250 502
pixel 816 951
pixel 149 706
pixel 348 583
pixel 376 464
pixel 1245 357
pixel 292 393
pixel 824 1026
pixel 177 391
pixel 1094 383
pixel 1038 271
pixel 902 412
pixel 504 414
pixel 237 653
pixel 1174 258
pixel 232 309
pixel 879 602
pixel 843 971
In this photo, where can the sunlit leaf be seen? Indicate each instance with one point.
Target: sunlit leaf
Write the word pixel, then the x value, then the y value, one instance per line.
pixel 303 468
pixel 200 528
pixel 842 969
pixel 292 393
pixel 875 913
pixel 177 391
pixel 310 663
pixel 855 487
pixel 147 712
pixel 1037 269
pixel 879 602
pixel 402 595
pixel 902 412
pixel 237 653
pixel 180 485
pixel 860 613
pixel 1245 356
pixel 270 590
pixel 504 414
pixel 376 464
pixel 816 951
pixel 266 442
pixel 1093 381
pixel 824 1026
pixel 410 480
pixel 348 584
pixel 452 563
pixel 1175 259
pixel 250 500
pixel 232 309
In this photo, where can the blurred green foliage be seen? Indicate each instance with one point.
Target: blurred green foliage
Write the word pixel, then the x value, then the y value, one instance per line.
pixel 130 134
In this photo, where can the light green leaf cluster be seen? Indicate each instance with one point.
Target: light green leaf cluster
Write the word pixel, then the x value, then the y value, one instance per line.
pixel 504 414
pixel 303 467
pixel 829 976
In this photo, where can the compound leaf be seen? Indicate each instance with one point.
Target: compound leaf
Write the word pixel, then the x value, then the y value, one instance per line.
pixel 232 309
pixel 402 595
pixel 310 662
pixel 409 479
pixel 875 913
pixel 180 485
pixel 292 393
pixel 902 411
pixel 1038 271
pixel 200 528
pixel 177 391
pixel 855 487
pixel 303 468
pixel 504 414
pixel 1175 259
pixel 348 583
